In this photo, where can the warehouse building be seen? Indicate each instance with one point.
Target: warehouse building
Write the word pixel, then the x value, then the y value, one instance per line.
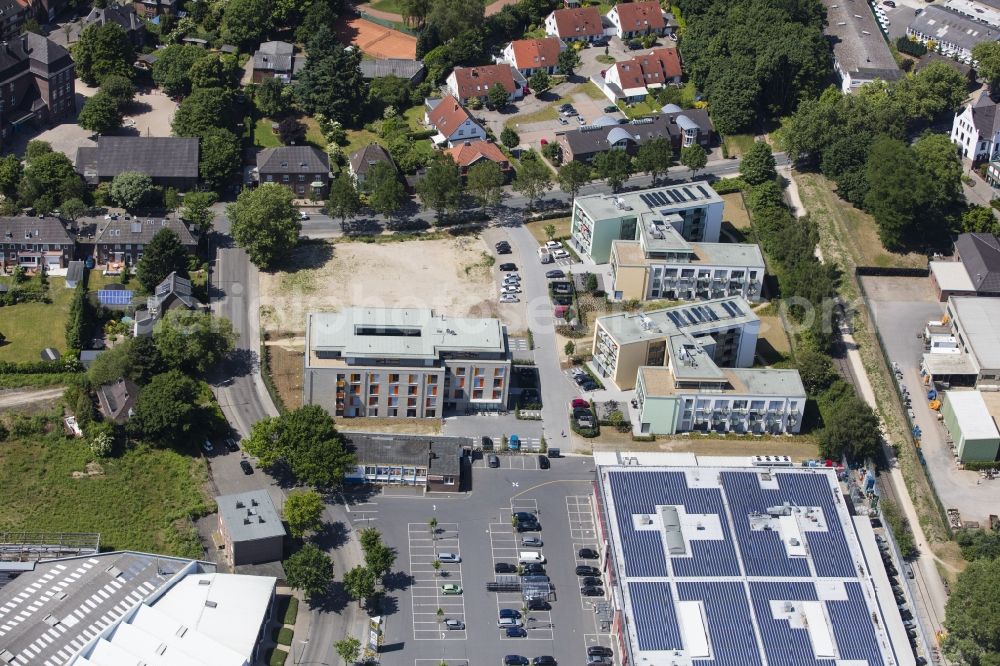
pixel 975 360
pixel 970 418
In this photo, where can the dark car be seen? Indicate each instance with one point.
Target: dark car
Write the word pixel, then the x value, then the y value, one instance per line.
pixel 529 526
pixel 504 567
pixel 487 443
pixel 510 612
pixel 516 632
pixel 504 250
pixel 502 244
pixel 601 41
pixel 492 460
pixel 585 570
pixel 538 605
pixel 598 651
pixel 515 660
pixel 247 467
pixel 555 274
pixel 533 568
pixel 588 385
pixel 888 3
pixel 591 591
pixel 581 412
pixel 544 660
pixel 524 515
pixel 587 554
pixel 610 108
pixel 591 580
pixel 508 267
pixel 231 444
pixel 543 462
pixel 634 45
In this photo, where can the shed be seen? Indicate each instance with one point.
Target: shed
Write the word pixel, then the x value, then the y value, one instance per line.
pixel 74 274
pixel 971 425
pixel 50 354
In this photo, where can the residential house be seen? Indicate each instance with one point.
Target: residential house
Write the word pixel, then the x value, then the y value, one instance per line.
pixel 363 160
pixel 150 9
pixel 976 129
pixel 952 33
pixel 250 527
pixel 38 82
pixel 573 25
pixel 305 170
pixel 470 153
pixel 31 242
pixel 453 122
pixel 121 241
pixel 465 83
pixel 13 14
pixel 276 60
pixel 689 126
pixel 123 15
pixel 975 270
pixel 404 363
pixel 173 293
pixel 116 401
pixel 411 71
pixel 631 80
pixel 528 56
pixel 170 161
pixel 634 19
pixel 606 133
pixel 432 463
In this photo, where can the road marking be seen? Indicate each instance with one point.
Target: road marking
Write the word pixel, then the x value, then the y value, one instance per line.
pixel 425 593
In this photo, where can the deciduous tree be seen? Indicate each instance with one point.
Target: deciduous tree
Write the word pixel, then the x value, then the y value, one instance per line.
pixel 359 583
pixel 758 164
pixel 972 615
pixel 303 512
pixel 386 193
pixel 568 61
pixel 344 201
pixel 533 180
pixel 986 55
pixel 497 96
pixel 291 131
pixel 103 50
pixel 193 341
pixel 509 138
pixel 163 255
pixel 265 223
pixel 539 81
pixel 572 176
pixel 694 158
pixel 441 187
pixel 130 189
pixel 203 111
pixel 172 69
pixel 851 430
pixel 167 410
pixel 655 157
pixel 272 97
pixel 197 210
pixel 979 219
pixel 309 570
pixel 348 649
pixel 100 114
pixel 245 22
pixel 450 18
pixel 484 181
pixel 331 82
pixel 218 157
pixel 614 166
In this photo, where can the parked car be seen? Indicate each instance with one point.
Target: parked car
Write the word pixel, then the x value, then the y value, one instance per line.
pixel 598 660
pixel 581 120
pixel 538 604
pixel 505 622
pixel 509 298
pixel 560 254
pixel 591 591
pixel 504 250
pixel 908 570
pixel 610 108
pixel 246 467
pixel 451 558
pixel 512 278
pixel 543 462
pixel 591 581
pixel 504 567
pixel 601 41
pixel 555 274
pixel 888 3
pixel 585 422
pixel 579 412
pixel 534 569
pixel 303 215
pixel 634 45
pixel 544 660
pixel 515 660
pixel 452 623
pixel 451 588
pixel 510 613
pixel 553 245
pixel 563 121
pixel 587 554
pixel 231 444
pixel 501 244
pixel 525 515
pixel 493 461
pixel 586 570
pixel 531 541
pixel 529 526
pixel 510 289
pixel 580 403
pixel 563 107
pixel 569 113
pixel 516 632
pixel 508 267
pixel 599 651
pixel 207 446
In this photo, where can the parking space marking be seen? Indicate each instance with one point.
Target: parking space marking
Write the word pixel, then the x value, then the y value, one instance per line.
pixel 518 344
pixel 440 662
pixel 581 518
pixel 515 461
pixel 425 593
pixel 538 624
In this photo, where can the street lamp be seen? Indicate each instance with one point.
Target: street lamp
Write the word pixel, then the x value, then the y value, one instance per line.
pixel 295 659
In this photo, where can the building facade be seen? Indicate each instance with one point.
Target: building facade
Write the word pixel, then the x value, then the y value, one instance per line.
pixel 599 219
pixel 305 170
pixel 37 82
pixel 31 242
pixel 251 528
pixel 976 129
pixel 631 80
pixel 122 241
pixel 466 83
pixel 404 363
pixel 453 122
pixel 633 19
pixel 951 33
pixel 533 55
pixel 431 463
pixel 575 24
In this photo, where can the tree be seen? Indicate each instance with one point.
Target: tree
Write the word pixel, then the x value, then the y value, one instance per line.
pixel 130 189
pixel 385 193
pixel 348 649
pixel 851 430
pixel 614 166
pixel 49 176
pixel 441 187
pixel 35 149
pixel 246 21
pixel 118 88
pixel 567 61
pixel 163 255
pixel 497 96
pixel 331 82
pixel 359 583
pixel 655 157
pixel 533 180
pixel 218 157
pixel 415 11
pixel 202 112
pixel 291 131
pixel 758 164
pixel 388 91
pixel 379 560
pixel 344 201
pixel 449 18
pixel 167 410
pixel 432 524
pixel 103 50
pixel 306 441
pixel 986 55
pixel 509 138
pixel 304 512
pixel 192 341
pixel 271 98
pixel 896 191
pixel 197 210
pixel 100 113
pixel 569 348
pixel 572 176
pixel 694 158
pixel 369 537
pixel 214 70
pixel 484 181
pixel 979 219
pixel 172 69
pixel 816 370
pixel 539 81
pixel 550 231
pixel 73 209
pixel 971 615
pixel 309 570
pixel 265 223
pixel 11 171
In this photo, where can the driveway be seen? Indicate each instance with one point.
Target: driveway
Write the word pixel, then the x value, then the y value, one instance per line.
pixel 902 308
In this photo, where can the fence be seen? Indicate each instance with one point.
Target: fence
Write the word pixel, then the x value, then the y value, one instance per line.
pixel 392 25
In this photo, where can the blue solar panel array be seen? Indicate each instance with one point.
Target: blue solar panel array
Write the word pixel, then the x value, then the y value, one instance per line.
pixel 114 296
pixel 654 616
pixel 725 609
pixel 784 645
pixel 855 639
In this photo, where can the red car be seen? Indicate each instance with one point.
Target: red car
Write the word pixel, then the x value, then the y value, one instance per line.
pixel 579 402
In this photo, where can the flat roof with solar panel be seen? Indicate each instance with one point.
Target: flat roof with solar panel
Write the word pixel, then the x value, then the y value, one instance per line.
pixel 721 561
pixel 662 200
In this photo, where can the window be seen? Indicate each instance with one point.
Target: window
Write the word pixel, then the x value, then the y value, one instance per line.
pixel 393 379
pixel 413 379
pixel 411 402
pixel 430 413
pixel 355 377
pixel 284 178
pixel 457 394
pixel 460 371
pixel 373 411
pixel 477 394
pixel 432 379
pixel 411 413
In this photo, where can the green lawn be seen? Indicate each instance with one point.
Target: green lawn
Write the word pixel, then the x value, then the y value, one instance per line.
pixel 547 113
pixel 737 144
pixel 392 6
pixel 31 327
pixel 358 139
pixel 644 108
pixel 415 116
pixel 314 135
pixel 590 89
pixel 263 137
pixel 141 500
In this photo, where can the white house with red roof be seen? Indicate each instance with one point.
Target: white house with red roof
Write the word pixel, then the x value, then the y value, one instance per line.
pixel 454 124
pixel 631 80
pixel 465 83
pixel 634 19
pixel 573 25
pixel 528 56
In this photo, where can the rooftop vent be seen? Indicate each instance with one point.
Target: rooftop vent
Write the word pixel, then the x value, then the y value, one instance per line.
pixel 204 581
pixel 210 604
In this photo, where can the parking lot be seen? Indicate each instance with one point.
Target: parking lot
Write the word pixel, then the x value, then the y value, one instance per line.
pixel 478 527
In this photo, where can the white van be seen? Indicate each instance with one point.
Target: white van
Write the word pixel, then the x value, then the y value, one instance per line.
pixel 530 557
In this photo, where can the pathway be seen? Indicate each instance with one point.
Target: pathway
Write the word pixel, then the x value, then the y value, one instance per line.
pixel 18 398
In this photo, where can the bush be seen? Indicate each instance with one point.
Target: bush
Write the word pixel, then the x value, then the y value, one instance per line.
pixel 276 657
pixel 284 636
pixel 421 135
pixel 909 47
pixel 289 610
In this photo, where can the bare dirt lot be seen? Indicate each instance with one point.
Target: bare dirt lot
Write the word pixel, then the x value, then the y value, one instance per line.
pixel 450 276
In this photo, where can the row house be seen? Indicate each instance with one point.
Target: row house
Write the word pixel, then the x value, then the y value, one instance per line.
pixel 33 242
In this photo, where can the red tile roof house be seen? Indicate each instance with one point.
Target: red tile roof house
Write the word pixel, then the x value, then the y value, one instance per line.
pixel 464 83
pixel 530 55
pixel 571 25
pixel 631 80
pixel 634 19
pixel 454 124
pixel 470 153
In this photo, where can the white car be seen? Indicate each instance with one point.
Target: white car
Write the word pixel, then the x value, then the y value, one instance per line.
pixel 560 254
pixel 454 558
pixel 513 279
pixel 510 289
pixel 553 245
pixel 509 298
pixel 303 215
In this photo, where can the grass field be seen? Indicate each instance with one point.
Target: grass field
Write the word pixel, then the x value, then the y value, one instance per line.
pixel 735 210
pixel 263 136
pixel 773 344
pixel 590 90
pixel 854 230
pixel 31 327
pixel 314 135
pixel 537 229
pixel 415 117
pixel 357 139
pixel 646 107
pixel 737 144
pixel 141 500
pixel 286 371
pixel 392 6
pixel 547 113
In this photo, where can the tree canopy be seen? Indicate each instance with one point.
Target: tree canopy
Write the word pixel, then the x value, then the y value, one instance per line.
pixel 101 113
pixel 218 157
pixel 441 187
pixel 344 201
pixel 247 21
pixel 655 157
pixel 202 112
pixel 694 157
pixel 167 411
pixel 163 255
pixel 172 69
pixel 534 179
pixel 309 570
pixel 103 50
pixel 972 615
pixel 386 193
pixel 757 165
pixel 193 341
pixel 572 176
pixel 331 82
pixel 484 181
pixel 303 511
pixel 265 223
pixel 852 429
pixel 130 189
